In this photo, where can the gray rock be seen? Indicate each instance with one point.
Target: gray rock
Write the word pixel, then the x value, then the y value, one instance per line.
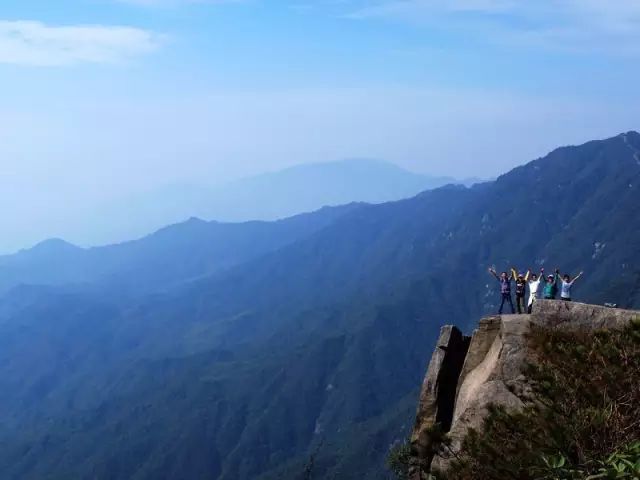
pixel 580 315
pixel 491 372
pixel 437 396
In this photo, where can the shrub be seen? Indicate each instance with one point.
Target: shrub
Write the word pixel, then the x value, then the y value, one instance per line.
pixel 586 423
pixel 398 460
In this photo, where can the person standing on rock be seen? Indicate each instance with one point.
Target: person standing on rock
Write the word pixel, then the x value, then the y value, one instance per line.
pixel 505 289
pixel 521 288
pixel 550 289
pixel 565 287
pixel 534 286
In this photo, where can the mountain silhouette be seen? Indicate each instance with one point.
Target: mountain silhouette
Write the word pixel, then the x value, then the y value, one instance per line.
pixel 269 196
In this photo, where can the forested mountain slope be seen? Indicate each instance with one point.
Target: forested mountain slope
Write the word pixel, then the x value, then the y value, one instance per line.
pixel 174 254
pixel 315 346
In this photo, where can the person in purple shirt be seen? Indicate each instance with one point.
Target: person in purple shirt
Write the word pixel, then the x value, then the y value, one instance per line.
pixel 505 289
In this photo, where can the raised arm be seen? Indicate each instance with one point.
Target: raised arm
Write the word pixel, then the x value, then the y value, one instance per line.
pixel 493 272
pixel 514 274
pixel 577 277
pixel 526 277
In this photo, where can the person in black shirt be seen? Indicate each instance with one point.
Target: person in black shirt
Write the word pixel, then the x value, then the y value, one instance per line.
pixel 521 289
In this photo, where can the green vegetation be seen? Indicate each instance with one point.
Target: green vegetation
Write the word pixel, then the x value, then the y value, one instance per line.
pixel 398 460
pixel 621 464
pixel 584 424
pixel 315 327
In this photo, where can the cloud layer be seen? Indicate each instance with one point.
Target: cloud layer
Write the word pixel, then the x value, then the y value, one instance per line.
pixel 157 3
pixel 560 24
pixel 37 44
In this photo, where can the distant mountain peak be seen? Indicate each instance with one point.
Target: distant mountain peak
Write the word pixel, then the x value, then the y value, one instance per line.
pixel 53 245
pixel 359 161
pixel 50 248
pixel 351 166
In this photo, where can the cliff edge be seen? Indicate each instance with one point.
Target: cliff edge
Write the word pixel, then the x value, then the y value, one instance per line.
pixel 466 375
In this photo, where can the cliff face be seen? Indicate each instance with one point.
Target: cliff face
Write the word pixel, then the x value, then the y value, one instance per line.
pixel 467 375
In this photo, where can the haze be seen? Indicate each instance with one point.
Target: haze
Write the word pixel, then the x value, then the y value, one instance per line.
pixel 103 100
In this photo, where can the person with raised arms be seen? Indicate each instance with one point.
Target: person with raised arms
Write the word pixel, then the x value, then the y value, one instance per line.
pixel 521 288
pixel 550 289
pixel 505 289
pixel 565 286
pixel 534 286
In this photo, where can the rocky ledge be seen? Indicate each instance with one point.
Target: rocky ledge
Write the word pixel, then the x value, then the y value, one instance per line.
pixel 468 374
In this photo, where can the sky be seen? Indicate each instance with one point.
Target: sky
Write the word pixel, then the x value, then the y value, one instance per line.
pixel 103 99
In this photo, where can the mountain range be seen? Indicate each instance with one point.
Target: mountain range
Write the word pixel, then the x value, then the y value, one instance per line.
pixel 265 349
pixel 269 196
pixel 172 255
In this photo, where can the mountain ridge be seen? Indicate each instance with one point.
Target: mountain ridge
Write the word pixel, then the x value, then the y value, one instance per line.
pixel 268 196
pixel 199 247
pixel 342 318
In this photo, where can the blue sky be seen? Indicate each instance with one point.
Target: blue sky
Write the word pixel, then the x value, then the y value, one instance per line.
pixel 100 99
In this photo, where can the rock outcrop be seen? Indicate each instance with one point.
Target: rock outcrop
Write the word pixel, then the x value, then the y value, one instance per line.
pixel 466 376
pixel 439 390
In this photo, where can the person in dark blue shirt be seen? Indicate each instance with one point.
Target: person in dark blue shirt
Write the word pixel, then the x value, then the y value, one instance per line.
pixel 505 289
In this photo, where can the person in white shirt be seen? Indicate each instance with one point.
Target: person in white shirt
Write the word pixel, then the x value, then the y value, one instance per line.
pixel 565 288
pixel 534 285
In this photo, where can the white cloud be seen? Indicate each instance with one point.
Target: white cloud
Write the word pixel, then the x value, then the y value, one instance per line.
pixel 429 7
pixel 37 44
pixel 586 25
pixel 157 3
